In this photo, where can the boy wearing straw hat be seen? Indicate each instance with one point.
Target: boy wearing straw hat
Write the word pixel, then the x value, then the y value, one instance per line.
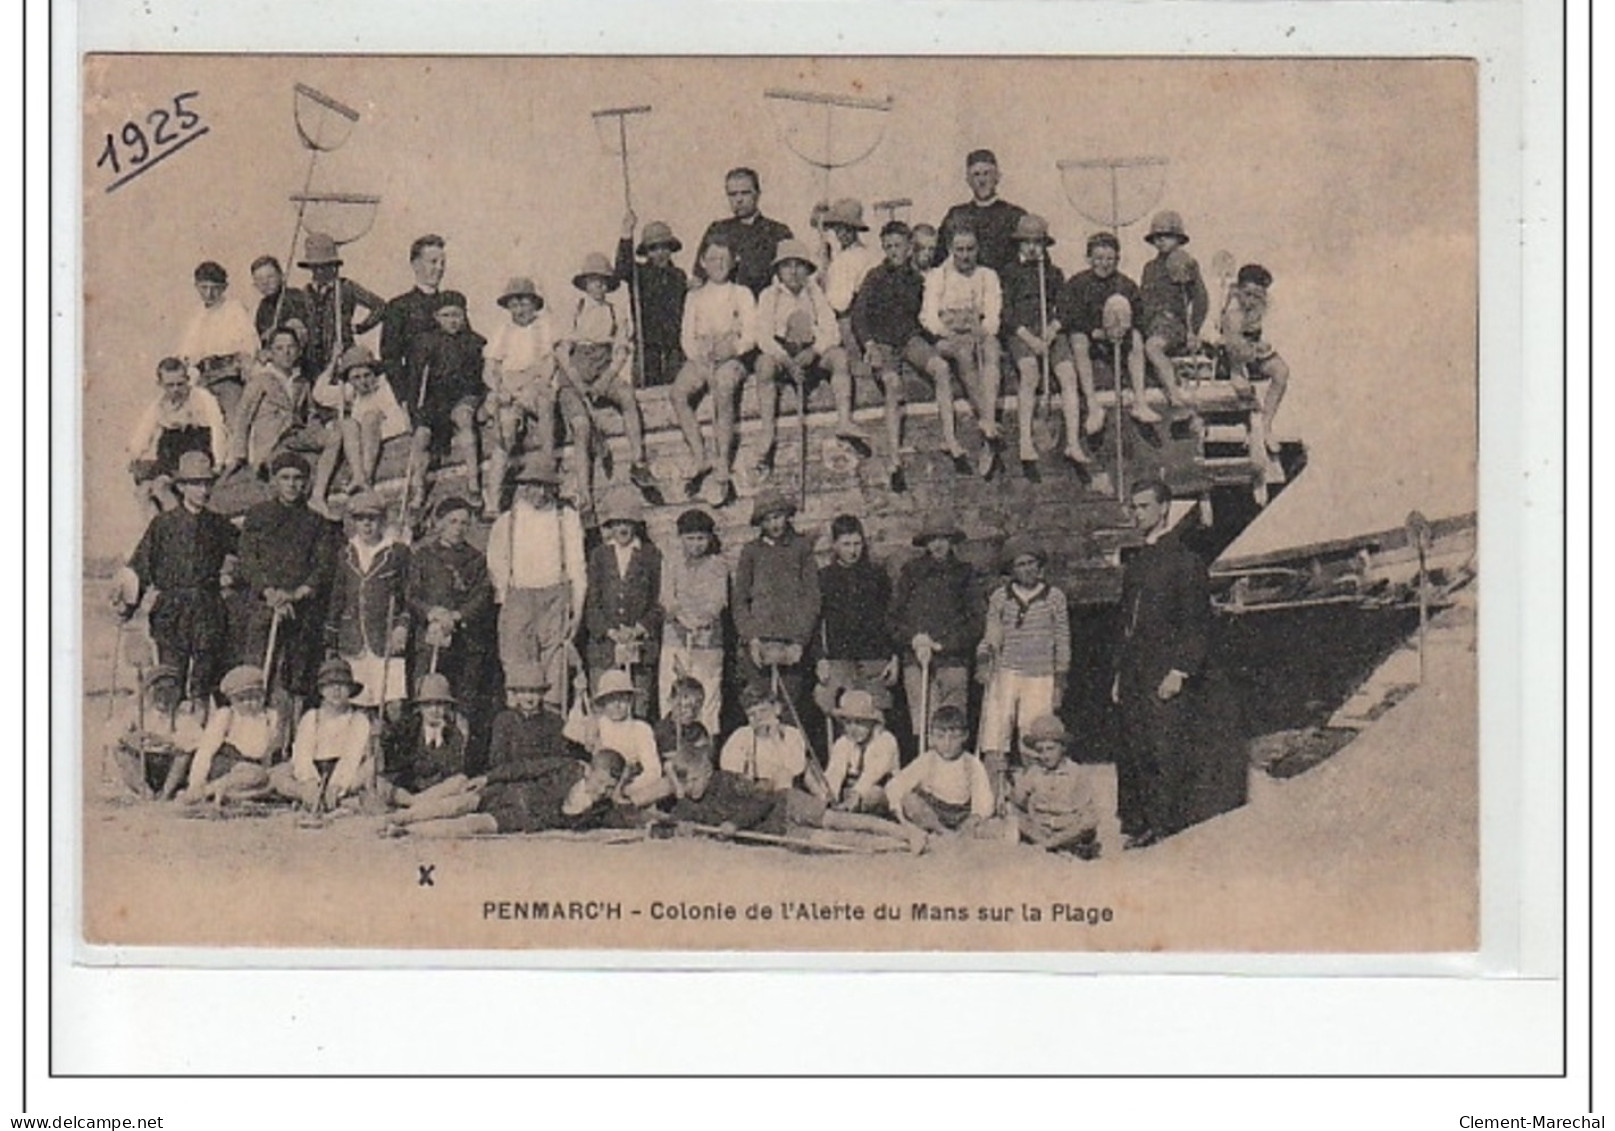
pixel 594 352
pixel 622 614
pixel 433 749
pixel 368 415
pixel 368 619
pixel 864 758
pixel 776 597
pixel 240 743
pixel 333 301
pixel 849 261
pixel 612 726
pixel 1034 333
pixel 181 555
pixel 797 340
pixel 332 751
pixel 1081 307
pixel 1174 299
pixel 661 289
pixel 518 368
pixel 1050 801
pixel 536 563
pixel 182 419
pixel 152 747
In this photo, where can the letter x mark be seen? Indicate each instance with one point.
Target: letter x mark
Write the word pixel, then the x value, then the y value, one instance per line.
pixel 426 875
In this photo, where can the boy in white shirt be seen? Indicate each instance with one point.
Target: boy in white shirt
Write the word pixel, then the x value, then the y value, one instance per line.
pixel 220 339
pixel 797 340
pixel 612 726
pixel 331 754
pixel 945 790
pixel 518 367
pixel 719 334
pixel 764 750
pixel 183 418
pixel 368 415
pixel 864 758
pixel 594 354
pixel 963 307
pixel 536 563
pixel 240 742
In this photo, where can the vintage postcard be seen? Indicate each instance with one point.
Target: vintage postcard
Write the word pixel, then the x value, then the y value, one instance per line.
pixel 780 504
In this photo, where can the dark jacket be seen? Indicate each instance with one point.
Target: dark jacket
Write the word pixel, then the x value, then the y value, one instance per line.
pixel 450 364
pixel 1166 616
pixel 856 600
pixel 367 605
pixel 450 577
pixel 404 319
pixel 1022 296
pixel 776 592
pixel 753 245
pixel 414 765
pixel 283 547
pixel 994 225
pixel 613 600
pixel 886 308
pixel 661 297
pixel 183 553
pixel 941 600
pixel 519 739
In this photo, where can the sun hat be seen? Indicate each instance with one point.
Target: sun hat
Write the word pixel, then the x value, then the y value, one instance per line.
pixel 434 688
pixel 695 521
pixel 1017 548
pixel 520 286
pixel 194 467
pixel 937 528
pixel 845 213
pixel 365 502
pixel 356 357
pixel 657 232
pixel 1166 223
pixel 242 680
pixel 596 265
pixel 613 681
pixel 536 467
pixel 319 250
pixel 525 677
pixel 859 705
pixel 788 250
pixel 1031 227
pixel 338 670
pixel 286 459
pixel 771 502
pixel 1044 728
pixel 621 504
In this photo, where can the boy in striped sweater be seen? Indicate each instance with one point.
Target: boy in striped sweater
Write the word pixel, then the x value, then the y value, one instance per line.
pixel 1023 657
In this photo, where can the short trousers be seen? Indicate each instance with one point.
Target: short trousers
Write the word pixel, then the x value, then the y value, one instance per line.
pixel 917 351
pixel 1168 328
pixel 1059 349
pixel 950 814
pixel 802 808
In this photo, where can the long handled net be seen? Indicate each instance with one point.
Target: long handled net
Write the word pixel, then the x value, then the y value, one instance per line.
pixel 828 131
pixel 323 124
pixel 1113 191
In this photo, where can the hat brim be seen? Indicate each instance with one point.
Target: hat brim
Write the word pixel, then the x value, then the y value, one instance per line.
pixel 423 700
pixel 210 477
pixel 504 300
pixel 310 264
pixel 645 248
pixel 925 537
pixel 612 282
pixel 353 685
pixel 808 263
pixel 1181 237
pixel 787 509
pixel 875 715
pixel 856 227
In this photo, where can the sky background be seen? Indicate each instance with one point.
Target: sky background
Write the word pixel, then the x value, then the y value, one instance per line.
pixel 1354 182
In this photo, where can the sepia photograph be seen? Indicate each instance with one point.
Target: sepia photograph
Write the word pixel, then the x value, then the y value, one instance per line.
pixel 988 505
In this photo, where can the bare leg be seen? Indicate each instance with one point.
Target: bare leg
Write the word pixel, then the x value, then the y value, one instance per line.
pixel 692 379
pixel 436 808
pixel 1026 405
pixel 987 381
pixel 420 456
pixel 919 813
pixel 622 395
pixel 325 467
pixel 1066 375
pixel 1095 421
pixel 1155 349
pixel 766 384
pixel 891 387
pixel 841 388
pixel 1277 372
pixel 467 444
pixel 942 376
pixel 726 387
pixel 472 824
pixel 369 449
